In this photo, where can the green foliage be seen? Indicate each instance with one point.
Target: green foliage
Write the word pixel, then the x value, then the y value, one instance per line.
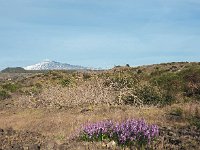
pixel 168 81
pixel 11 87
pixel 151 95
pixel 66 82
pixel 4 95
pixel 129 133
pixel 99 137
pixel 185 82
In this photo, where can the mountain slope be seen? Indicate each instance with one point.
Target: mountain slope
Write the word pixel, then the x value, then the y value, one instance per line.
pixel 53 65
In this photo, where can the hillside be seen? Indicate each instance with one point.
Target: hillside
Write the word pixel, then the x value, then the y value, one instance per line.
pixel 42 110
pixel 13 70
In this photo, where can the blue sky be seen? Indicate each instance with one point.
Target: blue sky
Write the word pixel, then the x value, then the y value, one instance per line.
pixel 99 33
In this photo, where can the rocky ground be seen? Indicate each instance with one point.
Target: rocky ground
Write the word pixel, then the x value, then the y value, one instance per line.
pixel 184 138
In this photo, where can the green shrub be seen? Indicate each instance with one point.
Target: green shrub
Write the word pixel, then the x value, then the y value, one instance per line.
pixel 168 81
pixel 4 95
pixel 139 71
pixel 35 90
pixel 151 95
pixel 185 82
pixel 65 82
pixel 11 87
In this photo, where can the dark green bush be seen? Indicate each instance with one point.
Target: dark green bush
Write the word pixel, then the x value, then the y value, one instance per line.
pixel 139 71
pixel 149 95
pixel 152 95
pixel 169 82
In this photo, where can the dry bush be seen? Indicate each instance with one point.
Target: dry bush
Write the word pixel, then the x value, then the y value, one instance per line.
pixel 124 85
pixel 89 92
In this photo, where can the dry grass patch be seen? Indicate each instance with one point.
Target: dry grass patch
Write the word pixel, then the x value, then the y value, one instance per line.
pixel 61 124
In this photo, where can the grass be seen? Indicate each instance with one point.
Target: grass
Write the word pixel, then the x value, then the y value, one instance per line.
pixel 187 114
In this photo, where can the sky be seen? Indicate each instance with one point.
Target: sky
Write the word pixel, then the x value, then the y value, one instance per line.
pixel 99 33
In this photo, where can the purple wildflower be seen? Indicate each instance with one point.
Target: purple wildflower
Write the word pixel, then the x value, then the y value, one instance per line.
pixel 128 132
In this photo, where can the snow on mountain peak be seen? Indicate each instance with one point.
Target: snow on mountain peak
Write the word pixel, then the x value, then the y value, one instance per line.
pixel 53 65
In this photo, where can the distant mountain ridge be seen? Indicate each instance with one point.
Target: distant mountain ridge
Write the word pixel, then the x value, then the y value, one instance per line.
pixel 13 70
pixel 53 65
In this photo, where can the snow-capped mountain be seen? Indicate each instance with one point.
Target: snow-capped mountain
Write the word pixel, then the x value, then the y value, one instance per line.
pixel 53 65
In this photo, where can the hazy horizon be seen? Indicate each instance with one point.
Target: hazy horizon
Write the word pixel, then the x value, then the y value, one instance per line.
pixel 95 33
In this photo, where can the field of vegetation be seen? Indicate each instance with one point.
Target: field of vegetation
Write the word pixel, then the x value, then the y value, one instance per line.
pixel 146 107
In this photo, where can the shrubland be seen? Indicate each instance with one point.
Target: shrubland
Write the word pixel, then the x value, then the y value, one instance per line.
pixel 165 95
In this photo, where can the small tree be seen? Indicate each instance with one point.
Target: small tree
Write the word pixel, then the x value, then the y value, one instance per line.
pixel 127 65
